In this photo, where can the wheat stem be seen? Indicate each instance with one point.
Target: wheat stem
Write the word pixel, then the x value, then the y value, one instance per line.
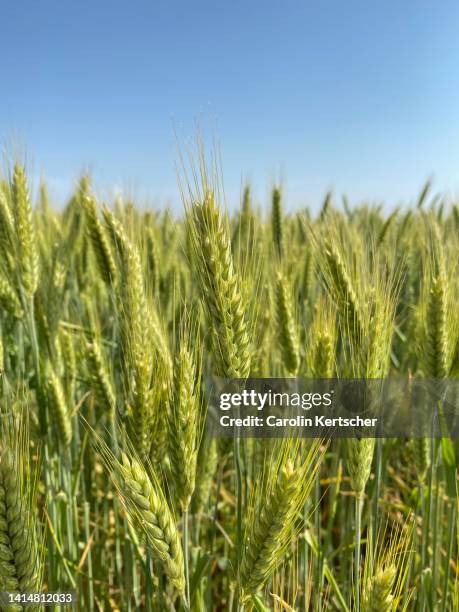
pixel 358 531
pixel 186 558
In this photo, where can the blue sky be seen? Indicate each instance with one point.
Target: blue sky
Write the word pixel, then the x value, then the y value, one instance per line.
pixel 358 96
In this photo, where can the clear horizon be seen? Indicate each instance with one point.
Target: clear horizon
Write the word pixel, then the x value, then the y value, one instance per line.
pixel 358 98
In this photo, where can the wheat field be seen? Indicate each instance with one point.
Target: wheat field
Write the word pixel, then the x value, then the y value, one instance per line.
pixel 111 319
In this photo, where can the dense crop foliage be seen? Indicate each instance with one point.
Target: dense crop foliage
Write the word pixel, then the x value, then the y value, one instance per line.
pixel 111 318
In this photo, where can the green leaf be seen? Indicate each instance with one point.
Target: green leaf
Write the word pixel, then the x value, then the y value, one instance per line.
pixel 201 566
pixel 258 604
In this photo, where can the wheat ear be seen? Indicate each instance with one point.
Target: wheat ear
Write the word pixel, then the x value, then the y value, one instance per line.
pixel 286 328
pixel 148 510
pixel 322 342
pixel 437 340
pixel 339 283
pixel 359 459
pixel 100 378
pixel 20 568
pixel 378 591
pixel 58 407
pixel 206 467
pixel 277 221
pixel 184 416
pixel 136 332
pixel 6 217
pixel 6 229
pixel 271 522
pixel 153 260
pixel 99 240
pixel 9 300
pixel 221 289
pixel 25 232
